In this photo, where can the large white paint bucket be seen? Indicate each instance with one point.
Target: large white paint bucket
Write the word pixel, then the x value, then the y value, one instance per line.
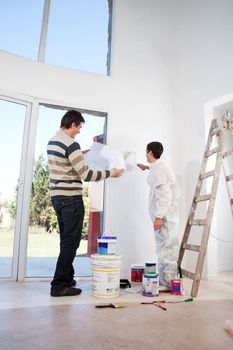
pixel 105 275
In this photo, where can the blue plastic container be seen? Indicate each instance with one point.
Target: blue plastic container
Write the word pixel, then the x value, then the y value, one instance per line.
pixel 107 245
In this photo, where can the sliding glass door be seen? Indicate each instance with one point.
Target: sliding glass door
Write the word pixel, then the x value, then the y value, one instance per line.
pixel 29 235
pixel 12 121
pixel 43 232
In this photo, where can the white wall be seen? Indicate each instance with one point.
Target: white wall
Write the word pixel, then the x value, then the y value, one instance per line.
pixel 206 74
pixel 168 59
pixel 144 56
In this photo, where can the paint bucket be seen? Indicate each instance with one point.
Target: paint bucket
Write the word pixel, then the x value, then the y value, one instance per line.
pixel 176 286
pixel 107 245
pixel 105 275
pixel 137 272
pixel 150 267
pixel 150 285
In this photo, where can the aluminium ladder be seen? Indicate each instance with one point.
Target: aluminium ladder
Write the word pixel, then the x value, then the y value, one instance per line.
pixel 217 132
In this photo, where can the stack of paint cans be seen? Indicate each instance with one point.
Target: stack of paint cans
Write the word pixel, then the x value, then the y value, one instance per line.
pixel 150 282
pixel 106 268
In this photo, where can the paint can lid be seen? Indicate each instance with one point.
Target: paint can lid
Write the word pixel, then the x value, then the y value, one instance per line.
pixel 151 275
pixel 150 264
pixel 137 266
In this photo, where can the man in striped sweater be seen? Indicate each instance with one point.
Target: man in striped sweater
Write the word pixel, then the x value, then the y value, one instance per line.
pixel 67 170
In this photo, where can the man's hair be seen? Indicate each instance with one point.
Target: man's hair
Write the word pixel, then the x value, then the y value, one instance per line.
pixel 156 148
pixel 71 117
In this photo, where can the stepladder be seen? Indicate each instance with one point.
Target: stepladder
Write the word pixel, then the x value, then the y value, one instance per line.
pixel 215 158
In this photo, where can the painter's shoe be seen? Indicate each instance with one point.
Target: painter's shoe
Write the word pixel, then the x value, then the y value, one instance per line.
pixel 68 291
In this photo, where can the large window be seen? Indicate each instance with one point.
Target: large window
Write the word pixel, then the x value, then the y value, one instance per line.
pixel 20 26
pixel 78 35
pixel 73 34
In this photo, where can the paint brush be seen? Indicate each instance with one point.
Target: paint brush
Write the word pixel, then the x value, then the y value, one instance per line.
pixel 155 303
pixel 174 301
pixel 168 301
pixel 111 305
pixel 179 301
pixel 160 306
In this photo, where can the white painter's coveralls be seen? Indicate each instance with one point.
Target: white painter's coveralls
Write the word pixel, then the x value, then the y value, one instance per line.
pixel 163 203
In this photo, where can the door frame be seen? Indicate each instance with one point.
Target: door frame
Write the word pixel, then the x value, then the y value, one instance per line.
pixel 19 259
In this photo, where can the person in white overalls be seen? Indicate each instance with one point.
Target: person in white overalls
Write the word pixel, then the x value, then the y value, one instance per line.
pixel 163 209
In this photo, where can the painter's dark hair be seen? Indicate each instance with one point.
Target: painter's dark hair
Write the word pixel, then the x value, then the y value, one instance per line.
pixel 156 148
pixel 71 117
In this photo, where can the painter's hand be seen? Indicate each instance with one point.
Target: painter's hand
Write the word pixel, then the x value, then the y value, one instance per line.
pixel 158 222
pixel 118 172
pixel 142 166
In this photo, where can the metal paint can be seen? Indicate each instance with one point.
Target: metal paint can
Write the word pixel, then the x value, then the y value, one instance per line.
pixel 150 267
pixel 150 285
pixel 176 286
pixel 137 272
pixel 107 245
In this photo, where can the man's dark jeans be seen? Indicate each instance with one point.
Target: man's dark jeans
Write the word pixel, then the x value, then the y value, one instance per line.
pixel 70 213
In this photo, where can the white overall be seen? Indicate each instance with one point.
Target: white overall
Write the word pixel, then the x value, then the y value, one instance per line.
pixel 163 203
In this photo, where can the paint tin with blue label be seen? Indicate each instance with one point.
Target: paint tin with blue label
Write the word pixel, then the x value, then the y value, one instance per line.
pixel 107 245
pixel 150 285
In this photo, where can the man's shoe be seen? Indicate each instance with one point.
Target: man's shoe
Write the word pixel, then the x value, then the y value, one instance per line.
pixel 72 283
pixel 66 292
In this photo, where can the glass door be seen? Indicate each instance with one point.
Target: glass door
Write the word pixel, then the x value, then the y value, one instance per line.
pixel 12 119
pixel 43 235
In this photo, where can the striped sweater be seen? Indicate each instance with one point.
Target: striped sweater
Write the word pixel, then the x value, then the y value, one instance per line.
pixel 67 167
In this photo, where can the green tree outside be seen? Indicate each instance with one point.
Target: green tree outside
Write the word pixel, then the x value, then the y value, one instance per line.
pixel 42 213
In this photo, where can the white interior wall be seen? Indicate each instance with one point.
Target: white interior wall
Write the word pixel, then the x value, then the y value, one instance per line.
pixel 168 59
pixel 206 29
pixel 144 56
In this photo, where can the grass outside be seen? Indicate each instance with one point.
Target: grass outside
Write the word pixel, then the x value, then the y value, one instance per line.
pixel 40 243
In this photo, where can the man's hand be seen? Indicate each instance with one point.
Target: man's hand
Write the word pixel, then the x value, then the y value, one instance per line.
pixel 158 222
pixel 143 167
pixel 118 172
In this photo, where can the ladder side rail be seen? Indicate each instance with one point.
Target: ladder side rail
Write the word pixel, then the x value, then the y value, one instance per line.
pixel 187 230
pixel 205 236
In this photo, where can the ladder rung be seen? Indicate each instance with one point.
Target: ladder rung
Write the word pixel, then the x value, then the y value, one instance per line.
pixel 203 198
pixel 228 153
pixel 208 174
pixel 215 131
pixel 229 177
pixel 188 274
pixel 197 222
pixel 212 151
pixel 193 247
